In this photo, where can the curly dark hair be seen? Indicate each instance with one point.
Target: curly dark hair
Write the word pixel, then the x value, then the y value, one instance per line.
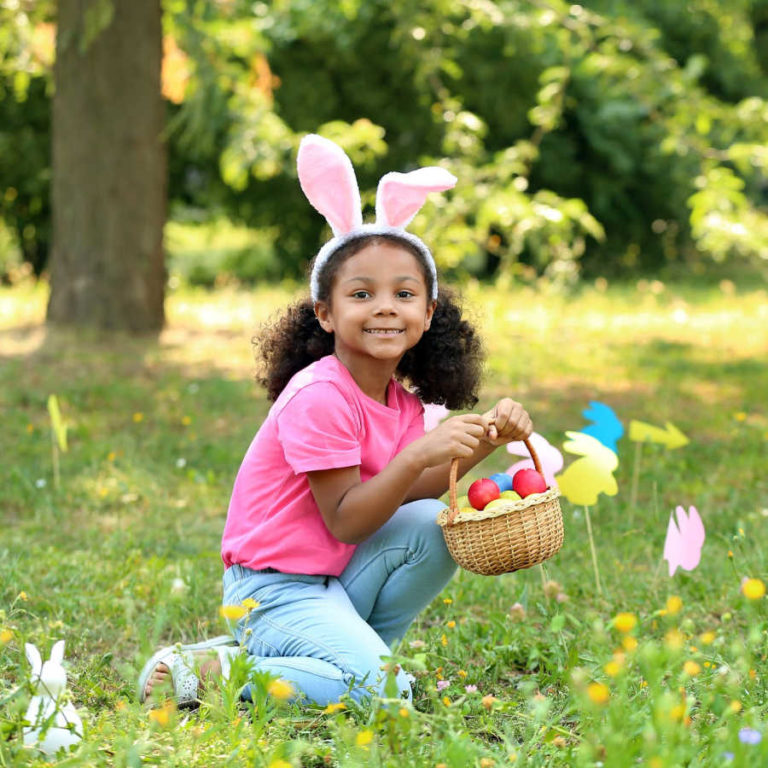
pixel 444 368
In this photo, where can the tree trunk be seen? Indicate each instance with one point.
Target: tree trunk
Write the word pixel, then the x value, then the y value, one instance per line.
pixel 109 168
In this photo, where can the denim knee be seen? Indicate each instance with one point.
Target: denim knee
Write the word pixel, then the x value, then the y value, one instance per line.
pixel 428 535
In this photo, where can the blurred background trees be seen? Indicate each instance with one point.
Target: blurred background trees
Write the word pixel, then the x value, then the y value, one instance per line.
pixel 609 138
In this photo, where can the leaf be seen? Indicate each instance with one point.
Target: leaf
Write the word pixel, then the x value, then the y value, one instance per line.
pixel 57 424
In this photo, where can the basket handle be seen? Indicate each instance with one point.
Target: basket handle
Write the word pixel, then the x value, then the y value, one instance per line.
pixel 453 477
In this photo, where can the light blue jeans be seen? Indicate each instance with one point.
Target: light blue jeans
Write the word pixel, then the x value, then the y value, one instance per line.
pixel 327 635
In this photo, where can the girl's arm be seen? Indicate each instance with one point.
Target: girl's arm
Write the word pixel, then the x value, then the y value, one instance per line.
pixel 433 482
pixel 353 510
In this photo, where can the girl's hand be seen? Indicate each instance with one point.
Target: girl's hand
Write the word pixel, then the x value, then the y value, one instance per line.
pixel 508 421
pixel 458 436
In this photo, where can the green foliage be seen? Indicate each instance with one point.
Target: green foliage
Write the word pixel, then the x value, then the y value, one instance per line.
pixel 25 113
pixel 599 138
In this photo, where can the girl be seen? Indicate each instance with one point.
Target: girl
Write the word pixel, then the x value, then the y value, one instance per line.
pixel 331 537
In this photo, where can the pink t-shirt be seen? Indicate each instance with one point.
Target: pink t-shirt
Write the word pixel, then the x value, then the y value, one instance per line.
pixel 321 420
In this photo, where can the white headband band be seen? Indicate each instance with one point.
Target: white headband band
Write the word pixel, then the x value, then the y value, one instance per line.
pixel 328 180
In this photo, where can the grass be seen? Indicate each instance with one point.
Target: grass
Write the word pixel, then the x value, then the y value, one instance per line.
pixel 123 556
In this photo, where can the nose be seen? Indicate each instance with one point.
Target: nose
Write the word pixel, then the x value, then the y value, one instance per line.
pixel 385 306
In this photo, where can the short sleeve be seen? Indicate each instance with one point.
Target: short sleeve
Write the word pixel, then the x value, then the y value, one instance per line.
pixel 415 428
pixel 318 429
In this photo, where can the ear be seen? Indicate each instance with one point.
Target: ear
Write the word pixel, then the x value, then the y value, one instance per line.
pixel 431 305
pixel 400 195
pixel 33 657
pixel 57 652
pixel 323 315
pixel 328 180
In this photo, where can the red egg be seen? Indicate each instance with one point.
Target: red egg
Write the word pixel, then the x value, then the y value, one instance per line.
pixel 528 481
pixel 482 491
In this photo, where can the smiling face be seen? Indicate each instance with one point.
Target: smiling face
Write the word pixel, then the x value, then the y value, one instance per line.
pixel 379 306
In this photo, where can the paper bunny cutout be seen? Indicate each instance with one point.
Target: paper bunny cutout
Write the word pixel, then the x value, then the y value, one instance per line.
pixel 684 541
pixel 433 415
pixel 586 478
pixel 550 458
pixel 53 723
pixel 328 180
pixel 605 426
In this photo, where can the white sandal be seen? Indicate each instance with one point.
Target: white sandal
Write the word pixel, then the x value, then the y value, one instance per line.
pixel 180 660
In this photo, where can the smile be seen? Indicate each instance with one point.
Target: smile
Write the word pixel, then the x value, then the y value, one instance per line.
pixel 383 331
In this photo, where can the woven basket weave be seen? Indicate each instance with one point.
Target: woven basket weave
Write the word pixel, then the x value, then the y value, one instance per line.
pixel 508 537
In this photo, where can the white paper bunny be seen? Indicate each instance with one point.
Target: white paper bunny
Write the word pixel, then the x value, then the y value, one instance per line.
pixel 53 722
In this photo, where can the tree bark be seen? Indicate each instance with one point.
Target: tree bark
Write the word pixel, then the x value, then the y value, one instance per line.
pixel 109 184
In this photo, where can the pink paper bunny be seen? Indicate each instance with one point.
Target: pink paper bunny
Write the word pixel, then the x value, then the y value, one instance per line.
pixel 433 415
pixel 684 541
pixel 550 457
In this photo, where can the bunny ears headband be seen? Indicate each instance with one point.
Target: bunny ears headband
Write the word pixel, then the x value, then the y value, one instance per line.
pixel 328 180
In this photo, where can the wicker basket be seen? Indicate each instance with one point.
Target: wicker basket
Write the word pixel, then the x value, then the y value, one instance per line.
pixel 508 537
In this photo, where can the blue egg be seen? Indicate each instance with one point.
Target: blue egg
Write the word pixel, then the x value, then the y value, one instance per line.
pixel 503 480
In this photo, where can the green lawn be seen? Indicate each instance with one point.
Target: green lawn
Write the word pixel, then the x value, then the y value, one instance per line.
pixel 156 433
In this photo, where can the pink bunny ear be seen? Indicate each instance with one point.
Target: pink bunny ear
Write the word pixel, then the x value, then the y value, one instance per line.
pixel 328 180
pixel 400 195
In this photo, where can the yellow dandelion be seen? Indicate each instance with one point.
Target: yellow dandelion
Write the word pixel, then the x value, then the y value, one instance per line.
pixel 691 668
pixel 23 596
pixel 488 701
pixel 740 416
pixel 403 712
pixel 487 762
pixel 186 420
pixel 625 622
pixel 598 693
pixel 364 738
pixel 138 417
pixel 6 635
pixel 707 638
pixel 334 707
pixel 674 604
pixel 735 706
pixel 643 683
pixel 444 640
pixel 280 764
pixel 451 624
pixel 30 428
pixel 628 643
pixel 730 553
pixel 162 716
pixel 752 674
pixel 233 612
pixel 612 669
pixel 674 639
pixel 677 713
pixel 280 689
pixel 447 600
pixel 446 701
pixel 250 604
pixel 753 589
pixel 111 456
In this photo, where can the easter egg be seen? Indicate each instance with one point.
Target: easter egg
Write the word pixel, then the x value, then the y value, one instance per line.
pixel 503 480
pixel 462 501
pixel 482 491
pixel 467 510
pixel 496 503
pixel 510 495
pixel 528 481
